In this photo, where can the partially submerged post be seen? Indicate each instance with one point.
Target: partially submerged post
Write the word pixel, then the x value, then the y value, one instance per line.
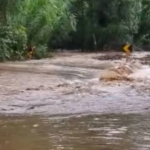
pixel 128 49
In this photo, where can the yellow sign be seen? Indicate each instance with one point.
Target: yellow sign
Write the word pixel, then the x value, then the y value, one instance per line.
pixel 127 48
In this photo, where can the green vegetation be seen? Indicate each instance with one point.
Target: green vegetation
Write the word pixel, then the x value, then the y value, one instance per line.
pixel 70 24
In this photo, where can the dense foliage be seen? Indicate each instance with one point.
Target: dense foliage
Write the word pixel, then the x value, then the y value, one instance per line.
pixel 71 24
pixel 28 22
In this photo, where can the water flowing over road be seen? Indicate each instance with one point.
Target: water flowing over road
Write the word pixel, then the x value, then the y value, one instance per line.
pixel 74 110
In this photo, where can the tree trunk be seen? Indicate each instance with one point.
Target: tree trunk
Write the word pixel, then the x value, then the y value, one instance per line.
pixel 3 4
pixel 83 26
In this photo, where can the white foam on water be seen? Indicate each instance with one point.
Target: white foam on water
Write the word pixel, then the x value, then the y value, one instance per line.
pixel 140 54
pixel 143 73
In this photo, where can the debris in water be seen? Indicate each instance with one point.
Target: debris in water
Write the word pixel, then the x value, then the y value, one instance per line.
pixel 110 57
pixel 120 72
pixel 35 125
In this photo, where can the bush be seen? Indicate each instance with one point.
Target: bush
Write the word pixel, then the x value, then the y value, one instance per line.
pixel 40 51
pixel 12 41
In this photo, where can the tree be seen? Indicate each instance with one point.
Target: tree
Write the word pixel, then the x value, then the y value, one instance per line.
pixel 109 21
pixel 41 18
pixel 36 22
pixel 3 5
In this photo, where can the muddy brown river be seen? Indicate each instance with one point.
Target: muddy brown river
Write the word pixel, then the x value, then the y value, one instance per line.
pixel 59 103
pixel 93 132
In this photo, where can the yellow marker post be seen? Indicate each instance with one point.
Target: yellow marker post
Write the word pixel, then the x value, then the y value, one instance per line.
pixel 30 54
pixel 31 51
pixel 128 50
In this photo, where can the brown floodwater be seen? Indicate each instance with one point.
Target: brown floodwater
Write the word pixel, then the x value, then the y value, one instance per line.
pixel 68 88
pixel 94 132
